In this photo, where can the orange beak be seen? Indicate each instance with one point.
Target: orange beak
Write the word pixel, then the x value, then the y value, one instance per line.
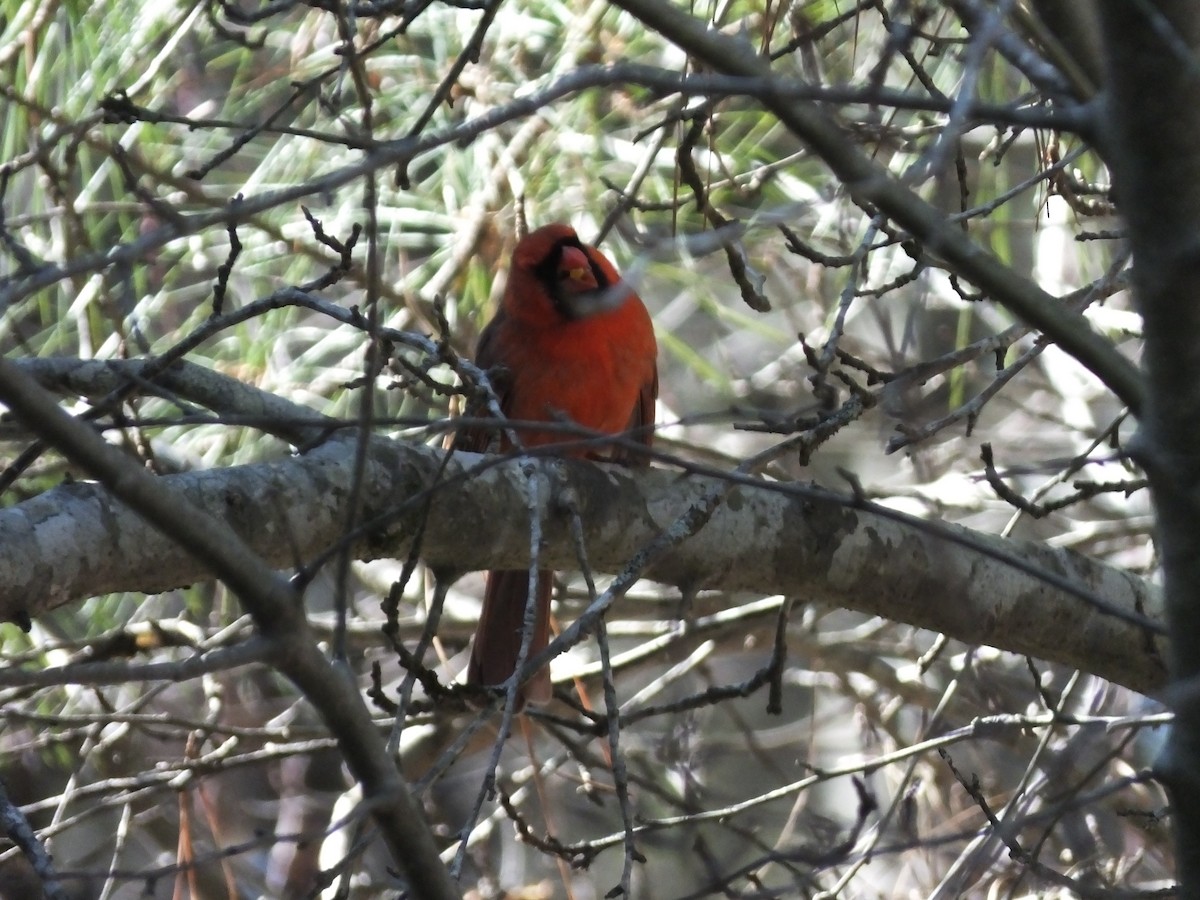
pixel 579 288
pixel 575 271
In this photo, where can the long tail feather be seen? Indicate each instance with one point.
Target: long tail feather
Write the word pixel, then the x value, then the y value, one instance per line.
pixel 498 636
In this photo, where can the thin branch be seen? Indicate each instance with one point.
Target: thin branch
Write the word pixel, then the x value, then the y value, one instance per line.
pixel 275 609
pixel 870 184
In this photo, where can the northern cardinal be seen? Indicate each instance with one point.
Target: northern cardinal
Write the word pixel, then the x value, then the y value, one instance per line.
pixel 576 346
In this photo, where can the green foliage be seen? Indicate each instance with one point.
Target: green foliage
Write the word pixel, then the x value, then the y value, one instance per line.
pixel 128 128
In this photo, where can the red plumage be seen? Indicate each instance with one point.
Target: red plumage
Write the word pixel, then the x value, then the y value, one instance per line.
pixel 576 345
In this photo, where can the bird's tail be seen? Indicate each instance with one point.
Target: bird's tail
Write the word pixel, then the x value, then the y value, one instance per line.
pixel 498 635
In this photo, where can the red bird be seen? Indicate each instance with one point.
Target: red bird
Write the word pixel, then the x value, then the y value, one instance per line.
pixel 576 344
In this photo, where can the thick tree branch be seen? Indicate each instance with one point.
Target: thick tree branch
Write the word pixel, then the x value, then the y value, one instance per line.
pixel 1153 51
pixel 766 537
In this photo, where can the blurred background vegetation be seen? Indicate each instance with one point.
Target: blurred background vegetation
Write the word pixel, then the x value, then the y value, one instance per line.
pixel 125 123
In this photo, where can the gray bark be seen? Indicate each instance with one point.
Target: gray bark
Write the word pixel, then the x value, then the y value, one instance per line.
pixel 1154 95
pixel 76 541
